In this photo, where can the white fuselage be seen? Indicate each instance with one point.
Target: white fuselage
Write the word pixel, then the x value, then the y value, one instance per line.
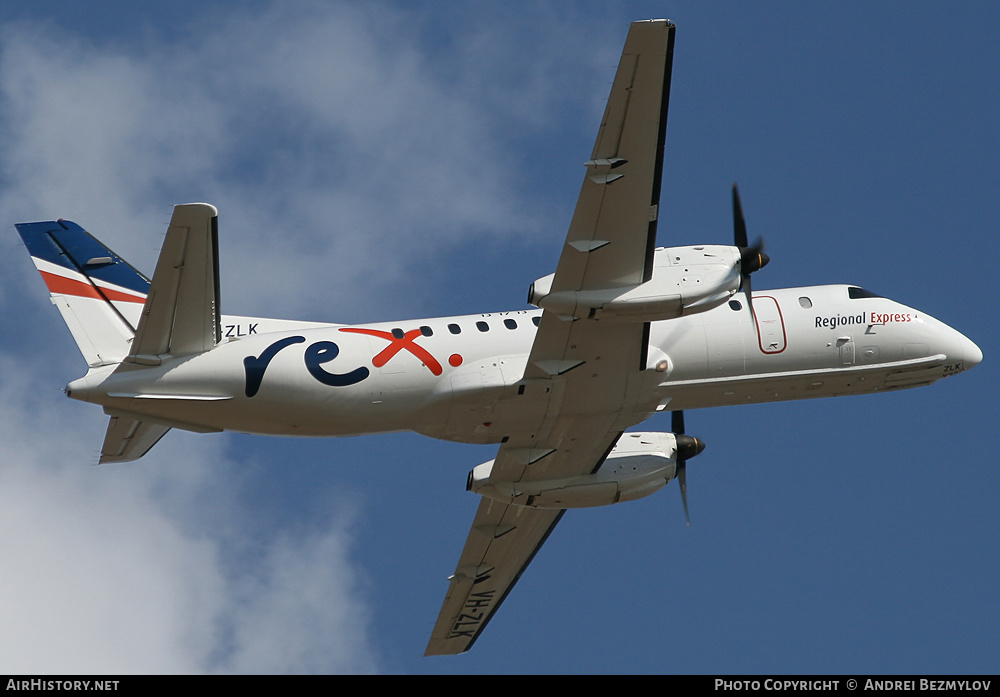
pixel 454 377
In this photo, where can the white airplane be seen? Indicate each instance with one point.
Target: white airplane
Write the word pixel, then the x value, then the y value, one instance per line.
pixel 624 329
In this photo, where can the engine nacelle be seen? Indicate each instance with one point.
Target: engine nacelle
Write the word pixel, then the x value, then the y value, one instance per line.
pixel 685 280
pixel 639 465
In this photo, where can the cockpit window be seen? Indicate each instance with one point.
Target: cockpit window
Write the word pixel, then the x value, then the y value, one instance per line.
pixel 855 293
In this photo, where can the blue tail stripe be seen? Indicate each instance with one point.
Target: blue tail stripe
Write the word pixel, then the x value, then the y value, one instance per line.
pixel 68 245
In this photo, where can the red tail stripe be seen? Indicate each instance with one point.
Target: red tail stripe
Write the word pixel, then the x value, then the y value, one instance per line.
pixel 60 285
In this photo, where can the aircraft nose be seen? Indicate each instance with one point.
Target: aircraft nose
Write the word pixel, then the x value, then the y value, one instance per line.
pixel 973 354
pixel 963 351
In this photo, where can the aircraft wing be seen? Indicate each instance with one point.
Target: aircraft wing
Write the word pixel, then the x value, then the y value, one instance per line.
pixel 181 314
pixel 582 375
pixel 505 537
pixel 503 541
pixel 613 231
pixel 612 236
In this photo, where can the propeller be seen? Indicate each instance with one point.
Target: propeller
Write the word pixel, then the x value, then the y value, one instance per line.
pixel 751 258
pixel 687 447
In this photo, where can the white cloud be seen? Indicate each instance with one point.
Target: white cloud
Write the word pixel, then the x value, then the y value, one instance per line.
pixel 125 569
pixel 307 598
pixel 336 149
pixel 343 155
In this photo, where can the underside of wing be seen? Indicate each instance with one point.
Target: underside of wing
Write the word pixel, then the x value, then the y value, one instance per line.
pixel 501 544
pixel 505 536
pixel 581 386
pixel 181 314
pixel 612 235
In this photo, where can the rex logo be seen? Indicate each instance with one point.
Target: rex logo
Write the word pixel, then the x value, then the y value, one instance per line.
pixel 321 352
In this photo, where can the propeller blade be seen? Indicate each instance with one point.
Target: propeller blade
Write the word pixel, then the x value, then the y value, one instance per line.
pixel 739 223
pixel 677 422
pixel 687 447
pixel 682 480
pixel 751 258
pixel 749 293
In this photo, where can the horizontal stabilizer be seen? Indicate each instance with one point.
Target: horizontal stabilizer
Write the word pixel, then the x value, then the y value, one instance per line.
pixel 129 439
pixel 181 315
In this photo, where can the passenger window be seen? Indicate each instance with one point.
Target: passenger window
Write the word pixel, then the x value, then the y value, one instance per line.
pixel 536 319
pixel 398 333
pixel 805 302
pixel 454 329
pixel 426 331
pixel 510 324
pixel 735 304
pixel 482 326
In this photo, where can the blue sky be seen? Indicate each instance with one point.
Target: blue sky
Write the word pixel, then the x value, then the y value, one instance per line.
pixel 380 161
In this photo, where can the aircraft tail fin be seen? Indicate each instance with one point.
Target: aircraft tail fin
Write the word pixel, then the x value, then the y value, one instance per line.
pixel 99 295
pixel 120 318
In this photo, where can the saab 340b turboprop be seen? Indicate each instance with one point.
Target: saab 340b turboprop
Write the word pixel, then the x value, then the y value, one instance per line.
pixel 624 329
